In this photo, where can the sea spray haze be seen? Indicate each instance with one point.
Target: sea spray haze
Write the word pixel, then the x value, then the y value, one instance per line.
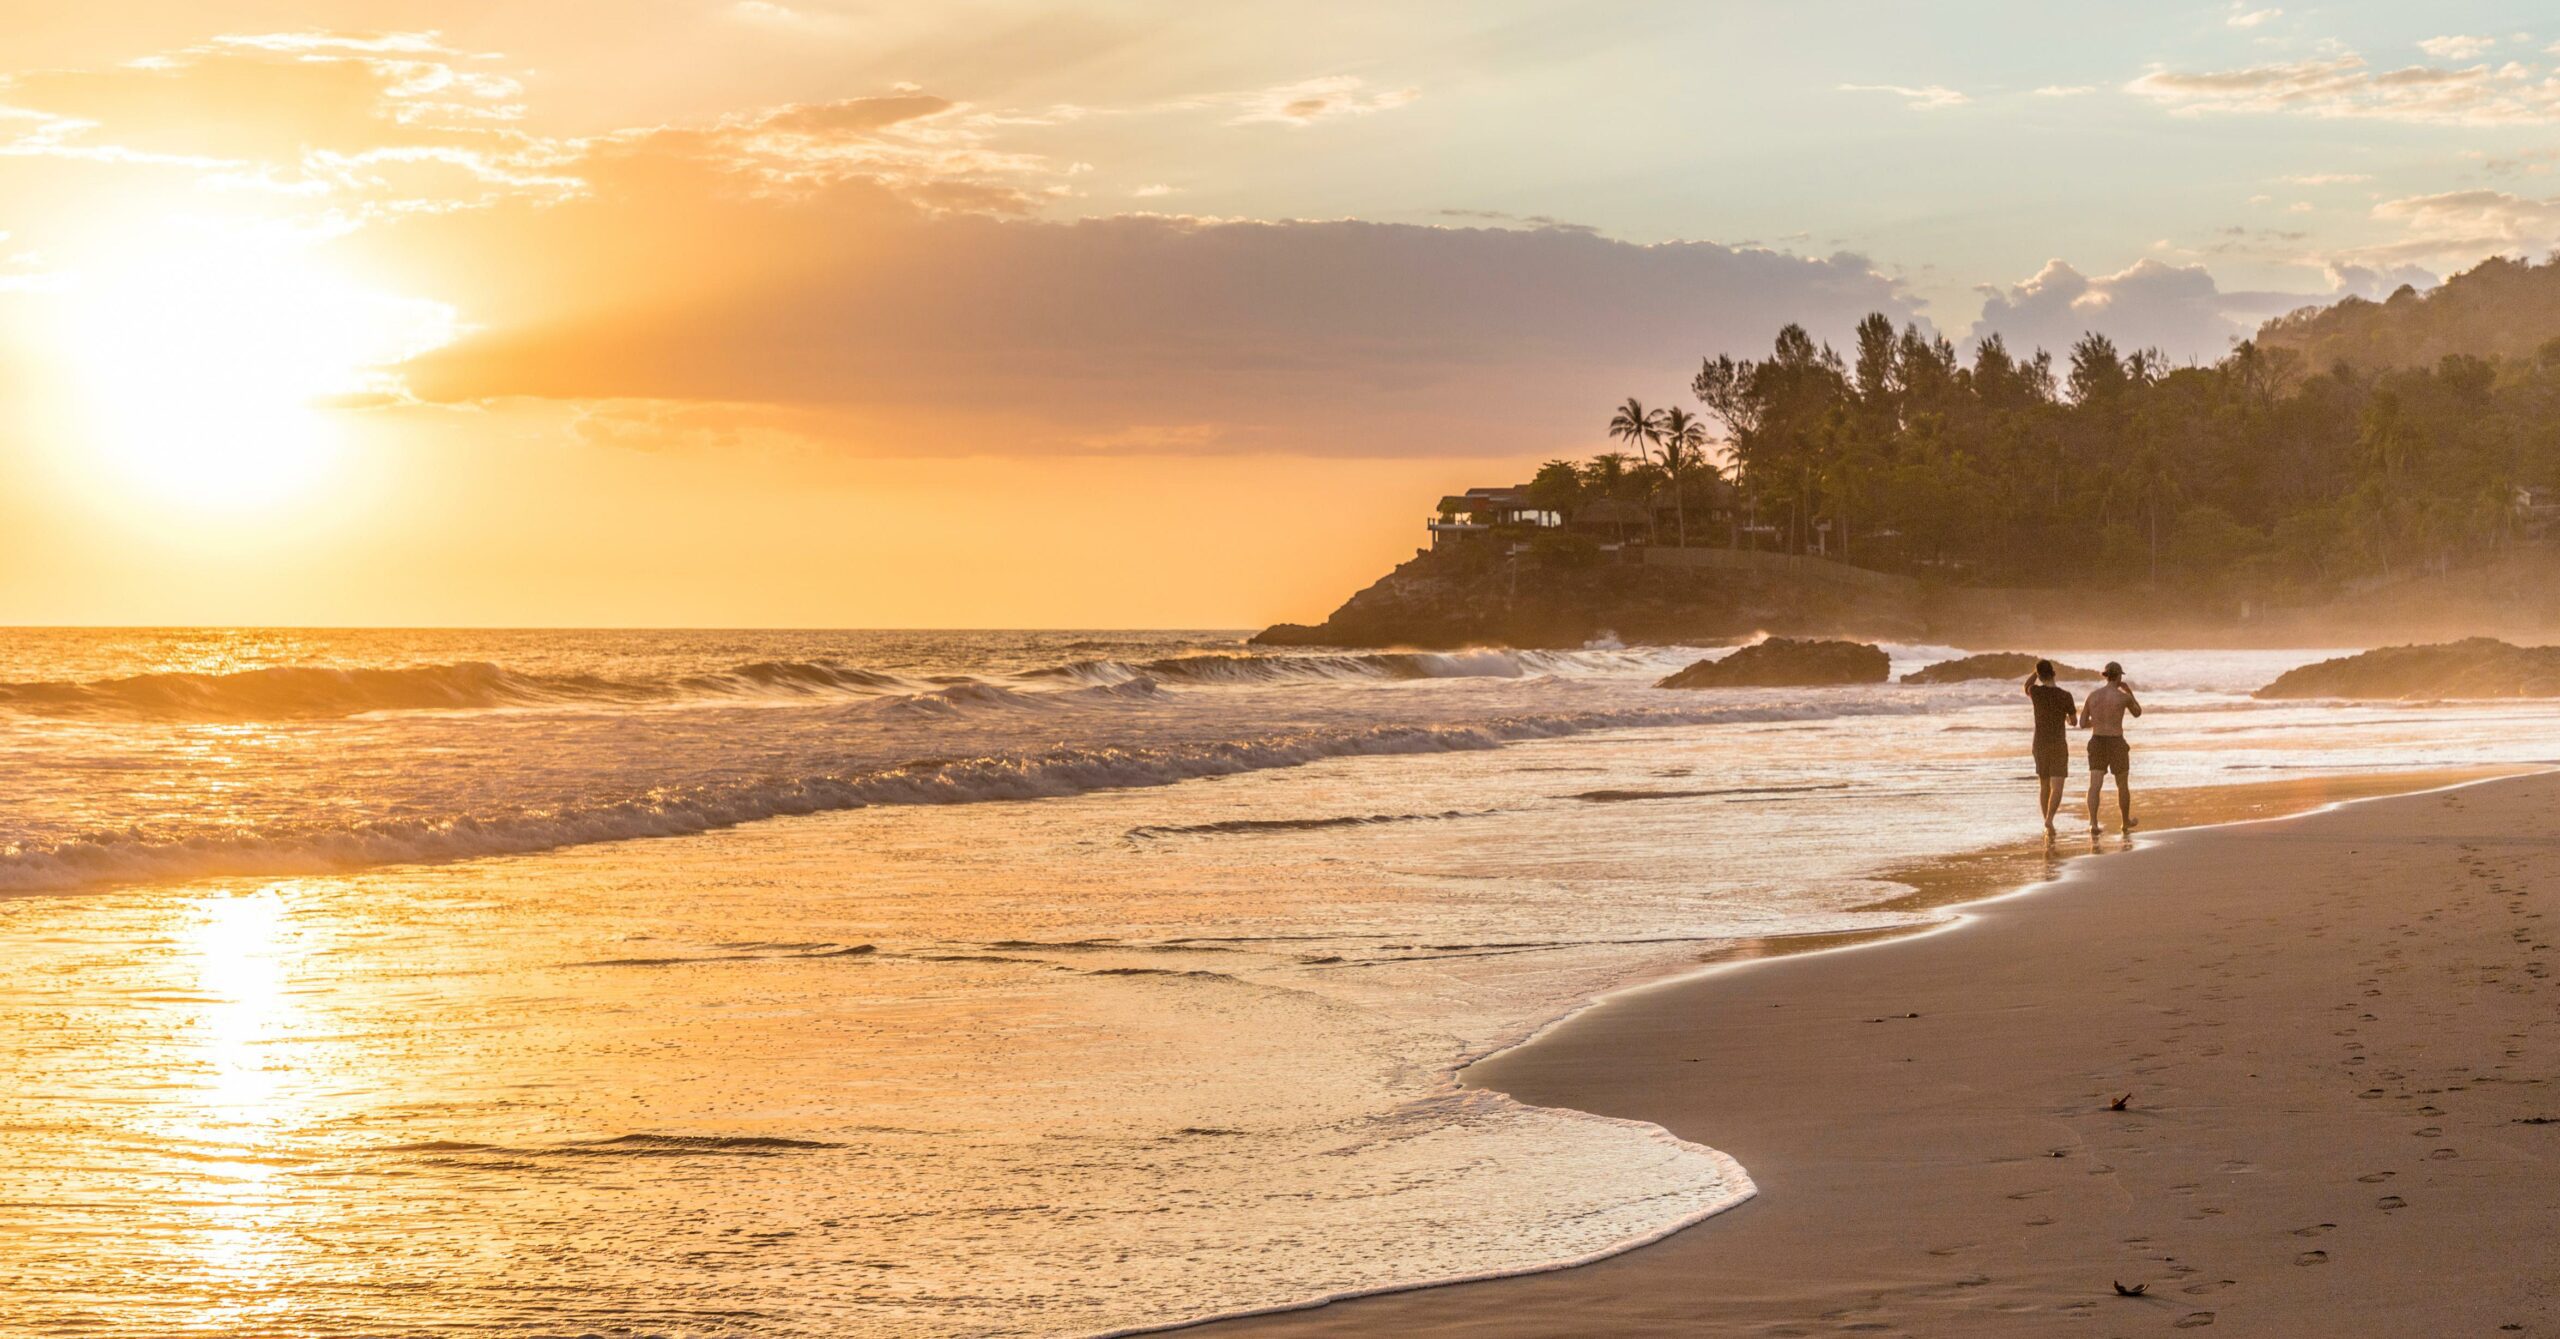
pixel 1090 981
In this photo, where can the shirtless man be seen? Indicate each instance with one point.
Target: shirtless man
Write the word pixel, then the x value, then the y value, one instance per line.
pixel 2104 714
pixel 2055 710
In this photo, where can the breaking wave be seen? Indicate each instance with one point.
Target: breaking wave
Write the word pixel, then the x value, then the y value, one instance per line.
pixel 1373 666
pixel 320 692
pixel 303 692
pixel 311 847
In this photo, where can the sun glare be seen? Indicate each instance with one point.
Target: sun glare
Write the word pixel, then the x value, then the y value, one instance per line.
pixel 216 372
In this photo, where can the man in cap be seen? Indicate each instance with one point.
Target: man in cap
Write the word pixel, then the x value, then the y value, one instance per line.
pixel 2109 703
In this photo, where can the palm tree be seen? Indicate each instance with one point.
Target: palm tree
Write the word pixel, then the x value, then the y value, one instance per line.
pixel 1638 427
pixel 1684 443
pixel 1606 473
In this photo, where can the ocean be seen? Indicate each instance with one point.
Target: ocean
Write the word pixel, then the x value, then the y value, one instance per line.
pixel 918 983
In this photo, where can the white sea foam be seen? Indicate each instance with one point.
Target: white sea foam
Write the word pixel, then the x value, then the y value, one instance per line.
pixel 294 844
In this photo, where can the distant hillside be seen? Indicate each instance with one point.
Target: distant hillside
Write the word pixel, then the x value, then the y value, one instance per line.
pixel 2501 308
pixel 2274 494
pixel 1468 596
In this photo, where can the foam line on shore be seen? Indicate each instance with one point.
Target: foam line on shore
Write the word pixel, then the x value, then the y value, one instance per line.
pixel 1742 1190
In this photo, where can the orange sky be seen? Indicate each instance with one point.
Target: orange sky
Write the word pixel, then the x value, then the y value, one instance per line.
pixel 325 327
pixel 993 312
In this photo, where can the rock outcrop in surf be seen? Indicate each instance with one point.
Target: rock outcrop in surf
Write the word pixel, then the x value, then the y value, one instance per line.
pixel 2473 667
pixel 1995 665
pixel 1784 662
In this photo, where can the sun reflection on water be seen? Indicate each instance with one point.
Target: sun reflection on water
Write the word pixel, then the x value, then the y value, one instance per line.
pixel 234 1122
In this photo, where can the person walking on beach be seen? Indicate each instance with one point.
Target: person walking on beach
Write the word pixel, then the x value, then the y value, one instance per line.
pixel 2104 714
pixel 2055 710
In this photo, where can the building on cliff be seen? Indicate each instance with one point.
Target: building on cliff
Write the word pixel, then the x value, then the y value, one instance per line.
pixel 1611 524
pixel 1482 511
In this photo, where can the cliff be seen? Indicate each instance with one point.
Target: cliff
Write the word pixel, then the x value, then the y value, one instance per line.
pixel 1467 596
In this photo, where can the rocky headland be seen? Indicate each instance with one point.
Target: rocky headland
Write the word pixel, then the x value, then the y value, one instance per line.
pixel 1449 598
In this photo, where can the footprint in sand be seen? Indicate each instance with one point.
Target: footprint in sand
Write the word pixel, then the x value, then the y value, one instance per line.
pixel 2376 1178
pixel 2315 1230
pixel 2194 1320
pixel 2312 1258
pixel 2389 1202
pixel 2443 1154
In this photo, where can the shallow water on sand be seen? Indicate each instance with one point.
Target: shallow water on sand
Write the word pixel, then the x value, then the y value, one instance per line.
pixel 1079 988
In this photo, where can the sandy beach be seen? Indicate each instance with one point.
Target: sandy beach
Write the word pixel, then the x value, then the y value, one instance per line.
pixel 2335 1038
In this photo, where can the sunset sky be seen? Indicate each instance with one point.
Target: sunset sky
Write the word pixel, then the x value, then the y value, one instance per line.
pixel 1139 313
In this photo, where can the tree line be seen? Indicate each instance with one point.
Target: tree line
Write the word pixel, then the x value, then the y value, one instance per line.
pixel 2257 474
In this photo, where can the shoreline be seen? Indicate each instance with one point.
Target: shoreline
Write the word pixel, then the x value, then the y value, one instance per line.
pixel 1962 889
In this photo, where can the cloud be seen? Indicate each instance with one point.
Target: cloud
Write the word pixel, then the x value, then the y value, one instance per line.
pixel 877 272
pixel 2530 162
pixel 1927 98
pixel 2457 48
pixel 2455 228
pixel 360 127
pixel 2179 309
pixel 2241 17
pixel 1312 100
pixel 2282 244
pixel 1502 216
pixel 2323 178
pixel 2066 90
pixel 850 314
pixel 2374 283
pixel 378 121
pixel 851 116
pixel 783 18
pixel 2343 85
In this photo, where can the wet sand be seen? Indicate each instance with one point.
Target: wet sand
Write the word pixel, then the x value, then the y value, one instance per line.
pixel 2336 1034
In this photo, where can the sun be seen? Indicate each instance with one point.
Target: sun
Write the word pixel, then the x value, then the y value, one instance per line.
pixel 214 369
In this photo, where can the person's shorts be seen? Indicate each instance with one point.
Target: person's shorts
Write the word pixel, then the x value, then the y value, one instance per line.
pixel 2053 758
pixel 2107 753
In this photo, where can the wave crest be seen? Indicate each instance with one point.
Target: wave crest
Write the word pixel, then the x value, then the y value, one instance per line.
pixel 308 692
pixel 317 847
pixel 1239 668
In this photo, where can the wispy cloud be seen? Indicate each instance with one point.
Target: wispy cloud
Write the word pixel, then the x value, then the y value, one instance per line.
pixel 2324 178
pixel 2457 47
pixel 2457 227
pixel 2066 90
pixel 1928 97
pixel 1312 100
pixel 2243 17
pixel 2344 85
